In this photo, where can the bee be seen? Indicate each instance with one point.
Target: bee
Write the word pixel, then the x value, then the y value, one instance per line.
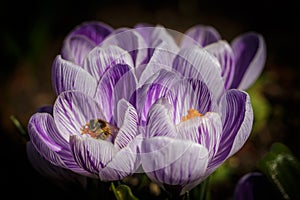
pixel 99 129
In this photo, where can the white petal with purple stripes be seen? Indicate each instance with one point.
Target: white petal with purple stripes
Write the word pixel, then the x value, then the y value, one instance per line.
pixel 72 110
pixel 69 76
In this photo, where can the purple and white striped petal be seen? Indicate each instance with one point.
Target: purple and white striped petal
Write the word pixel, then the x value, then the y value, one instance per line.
pixel 42 128
pixel 157 86
pixel 100 59
pixel 72 110
pixel 124 163
pixel 145 30
pixel 45 109
pixel 82 39
pixel 69 76
pixel 49 143
pixel 160 34
pixel 76 48
pixel 237 120
pixel 162 57
pixel 250 55
pixel 131 41
pixel 189 94
pixel 166 160
pixel 205 130
pixel 94 30
pixel 197 63
pixel 63 176
pixel 155 35
pixel 224 53
pixel 160 120
pixel 127 122
pixel 200 35
pixel 116 83
pixel 92 154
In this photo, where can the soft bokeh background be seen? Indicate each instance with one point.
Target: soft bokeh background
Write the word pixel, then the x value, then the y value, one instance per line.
pixel 32 34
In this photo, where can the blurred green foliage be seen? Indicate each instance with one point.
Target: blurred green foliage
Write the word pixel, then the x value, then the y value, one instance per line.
pixel 283 170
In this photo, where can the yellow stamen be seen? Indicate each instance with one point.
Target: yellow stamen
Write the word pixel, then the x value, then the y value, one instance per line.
pixel 191 114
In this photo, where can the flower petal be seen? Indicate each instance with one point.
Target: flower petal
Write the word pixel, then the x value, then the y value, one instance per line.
pixel 245 188
pixel 91 154
pixel 237 120
pixel 205 130
pixel 82 39
pixel 131 41
pixel 250 54
pixel 94 30
pixel 42 128
pixel 69 76
pixel 75 48
pixel 157 86
pixel 189 94
pixel 62 176
pixel 197 63
pixel 159 121
pixel 200 35
pixel 172 161
pixel 72 110
pixel 100 59
pixel 50 144
pixel 127 122
pixel 116 83
pixel 124 163
pixel 160 34
pixel 145 30
pixel 162 57
pixel 45 109
pixel 224 53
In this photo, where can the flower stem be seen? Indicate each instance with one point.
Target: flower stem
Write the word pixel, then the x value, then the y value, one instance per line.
pixel 205 189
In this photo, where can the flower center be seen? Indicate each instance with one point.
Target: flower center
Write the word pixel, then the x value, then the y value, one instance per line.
pixel 191 114
pixel 99 129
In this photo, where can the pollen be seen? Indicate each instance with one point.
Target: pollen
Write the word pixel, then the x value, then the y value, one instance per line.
pixel 191 114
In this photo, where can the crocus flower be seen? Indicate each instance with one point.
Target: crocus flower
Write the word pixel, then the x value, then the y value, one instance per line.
pixel 79 136
pixel 192 125
pixel 113 84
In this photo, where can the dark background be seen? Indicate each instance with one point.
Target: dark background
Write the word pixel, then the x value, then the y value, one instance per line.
pixel 32 34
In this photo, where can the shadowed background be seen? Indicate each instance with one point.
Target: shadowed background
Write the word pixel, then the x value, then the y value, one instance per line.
pixel 32 34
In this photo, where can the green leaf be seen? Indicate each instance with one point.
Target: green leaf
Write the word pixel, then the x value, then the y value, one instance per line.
pixel 283 169
pixel 123 192
pixel 19 126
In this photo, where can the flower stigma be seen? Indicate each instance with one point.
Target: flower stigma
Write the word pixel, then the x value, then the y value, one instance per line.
pixel 99 129
pixel 192 113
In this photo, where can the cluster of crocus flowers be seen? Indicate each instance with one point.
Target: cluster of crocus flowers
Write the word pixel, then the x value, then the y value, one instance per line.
pixel 138 98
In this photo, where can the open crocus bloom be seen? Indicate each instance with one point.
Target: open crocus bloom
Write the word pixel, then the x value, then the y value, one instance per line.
pixel 186 100
pixel 193 125
pixel 80 137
